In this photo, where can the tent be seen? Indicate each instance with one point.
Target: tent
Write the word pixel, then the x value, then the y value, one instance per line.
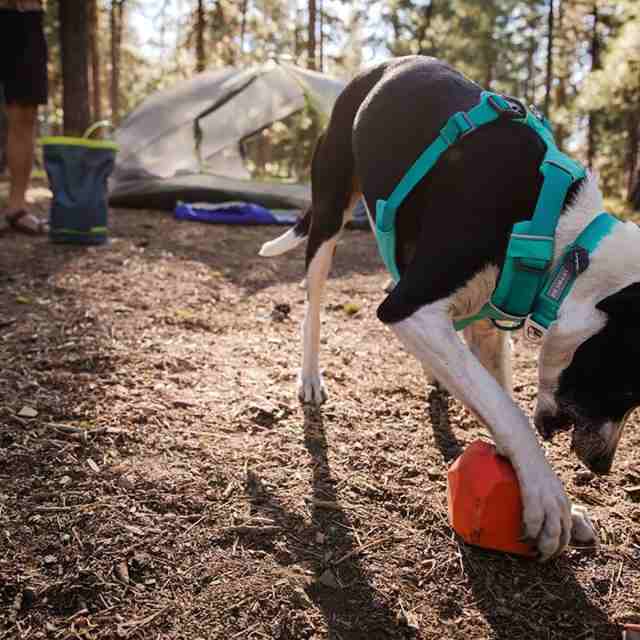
pixel 185 142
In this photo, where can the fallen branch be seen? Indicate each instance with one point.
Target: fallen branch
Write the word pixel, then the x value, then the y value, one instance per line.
pixel 369 545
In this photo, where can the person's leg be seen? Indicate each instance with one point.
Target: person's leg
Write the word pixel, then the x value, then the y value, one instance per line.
pixel 20 146
pixel 24 78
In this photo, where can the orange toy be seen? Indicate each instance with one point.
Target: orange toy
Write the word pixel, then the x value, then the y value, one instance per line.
pixel 485 507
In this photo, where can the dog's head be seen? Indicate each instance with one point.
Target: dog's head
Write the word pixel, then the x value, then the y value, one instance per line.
pixel 591 381
pixel 586 370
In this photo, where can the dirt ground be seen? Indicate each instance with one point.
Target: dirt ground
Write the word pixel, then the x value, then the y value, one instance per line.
pixel 171 486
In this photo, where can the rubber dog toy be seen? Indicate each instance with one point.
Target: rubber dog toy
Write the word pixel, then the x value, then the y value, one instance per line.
pixel 485 505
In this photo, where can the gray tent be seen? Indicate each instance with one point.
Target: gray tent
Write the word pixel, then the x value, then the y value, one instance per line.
pixel 185 143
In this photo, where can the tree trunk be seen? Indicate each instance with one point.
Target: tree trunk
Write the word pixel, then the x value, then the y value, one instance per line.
pixel 549 79
pixel 74 46
pixel 94 51
pixel 243 24
pixel 421 32
pixel 530 82
pixel 595 64
pixel 117 17
pixel 201 62
pixel 561 88
pixel 311 36
pixel 321 66
pixel 633 152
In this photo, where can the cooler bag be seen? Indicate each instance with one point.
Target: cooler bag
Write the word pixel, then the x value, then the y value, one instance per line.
pixel 78 169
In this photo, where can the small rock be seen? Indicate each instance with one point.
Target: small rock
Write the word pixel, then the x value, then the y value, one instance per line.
pixel 50 559
pixel 280 312
pixel 27 412
pixel 122 572
pixel 28 598
pixel 329 580
pixel 584 477
pixel 126 483
pixel 65 480
pixel 433 473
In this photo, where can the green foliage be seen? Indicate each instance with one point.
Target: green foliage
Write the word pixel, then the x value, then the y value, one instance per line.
pixel 502 44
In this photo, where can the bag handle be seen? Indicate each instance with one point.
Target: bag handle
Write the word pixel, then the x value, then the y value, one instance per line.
pixel 95 126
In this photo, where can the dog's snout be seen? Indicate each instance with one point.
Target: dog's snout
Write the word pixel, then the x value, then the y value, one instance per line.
pixel 549 424
pixel 600 465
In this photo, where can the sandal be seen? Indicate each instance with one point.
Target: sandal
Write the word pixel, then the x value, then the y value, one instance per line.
pixel 25 222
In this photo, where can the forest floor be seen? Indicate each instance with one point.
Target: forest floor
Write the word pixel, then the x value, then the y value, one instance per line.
pixel 159 479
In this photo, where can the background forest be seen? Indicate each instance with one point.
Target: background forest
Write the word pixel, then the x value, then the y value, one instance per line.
pixel 578 60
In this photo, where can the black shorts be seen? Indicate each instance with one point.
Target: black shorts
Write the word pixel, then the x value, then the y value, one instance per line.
pixel 23 57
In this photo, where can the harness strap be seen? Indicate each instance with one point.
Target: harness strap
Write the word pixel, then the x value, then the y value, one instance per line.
pixel 491 107
pixel 560 280
pixel 556 286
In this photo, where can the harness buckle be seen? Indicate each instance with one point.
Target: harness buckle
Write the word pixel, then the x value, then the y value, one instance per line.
pixel 533 331
pixel 523 265
pixel 464 123
pixel 514 109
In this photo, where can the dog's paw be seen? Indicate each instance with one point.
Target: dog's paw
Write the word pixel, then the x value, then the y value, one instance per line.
pixel 429 378
pixel 582 530
pixel 546 511
pixel 311 389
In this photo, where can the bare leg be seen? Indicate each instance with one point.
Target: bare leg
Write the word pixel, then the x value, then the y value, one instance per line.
pixel 20 147
pixel 20 150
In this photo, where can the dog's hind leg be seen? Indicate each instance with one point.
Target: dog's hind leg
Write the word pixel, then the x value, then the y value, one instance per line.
pixel 493 348
pixel 329 215
pixel 334 193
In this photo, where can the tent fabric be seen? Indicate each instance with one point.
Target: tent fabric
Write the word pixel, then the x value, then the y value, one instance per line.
pixel 184 143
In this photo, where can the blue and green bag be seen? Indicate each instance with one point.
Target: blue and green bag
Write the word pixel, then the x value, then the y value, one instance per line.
pixel 78 169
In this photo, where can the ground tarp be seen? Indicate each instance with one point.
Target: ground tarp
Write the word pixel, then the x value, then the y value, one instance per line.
pixel 185 143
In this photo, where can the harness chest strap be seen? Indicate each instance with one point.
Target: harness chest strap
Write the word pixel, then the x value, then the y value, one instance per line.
pixel 559 282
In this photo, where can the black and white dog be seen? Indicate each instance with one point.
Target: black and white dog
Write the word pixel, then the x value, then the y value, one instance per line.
pixel 452 234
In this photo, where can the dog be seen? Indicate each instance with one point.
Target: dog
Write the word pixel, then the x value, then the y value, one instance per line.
pixel 452 234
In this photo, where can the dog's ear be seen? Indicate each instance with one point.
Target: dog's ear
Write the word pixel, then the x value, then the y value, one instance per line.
pixel 623 302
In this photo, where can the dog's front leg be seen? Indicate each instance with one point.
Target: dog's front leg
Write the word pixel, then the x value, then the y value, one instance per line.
pixel 429 335
pixel 493 348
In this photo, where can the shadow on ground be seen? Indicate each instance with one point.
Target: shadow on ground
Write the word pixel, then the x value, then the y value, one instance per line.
pixel 340 588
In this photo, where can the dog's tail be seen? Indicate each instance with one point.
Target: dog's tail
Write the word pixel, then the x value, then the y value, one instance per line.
pixel 290 239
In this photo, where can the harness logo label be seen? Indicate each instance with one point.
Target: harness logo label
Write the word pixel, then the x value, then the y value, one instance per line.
pixel 576 261
pixel 559 284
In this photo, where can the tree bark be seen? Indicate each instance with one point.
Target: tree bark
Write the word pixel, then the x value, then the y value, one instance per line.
pixel 595 64
pixel 243 24
pixel 201 62
pixel 311 36
pixel 94 51
pixel 633 153
pixel 74 47
pixel 549 79
pixel 117 17
pixel 321 65
pixel 561 88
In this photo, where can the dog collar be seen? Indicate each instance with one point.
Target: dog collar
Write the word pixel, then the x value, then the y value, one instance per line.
pixel 560 280
pixel 554 288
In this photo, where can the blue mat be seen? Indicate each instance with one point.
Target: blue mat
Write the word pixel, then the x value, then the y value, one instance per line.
pixel 243 213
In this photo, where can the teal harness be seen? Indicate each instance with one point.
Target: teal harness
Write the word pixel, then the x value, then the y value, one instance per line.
pixel 528 291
